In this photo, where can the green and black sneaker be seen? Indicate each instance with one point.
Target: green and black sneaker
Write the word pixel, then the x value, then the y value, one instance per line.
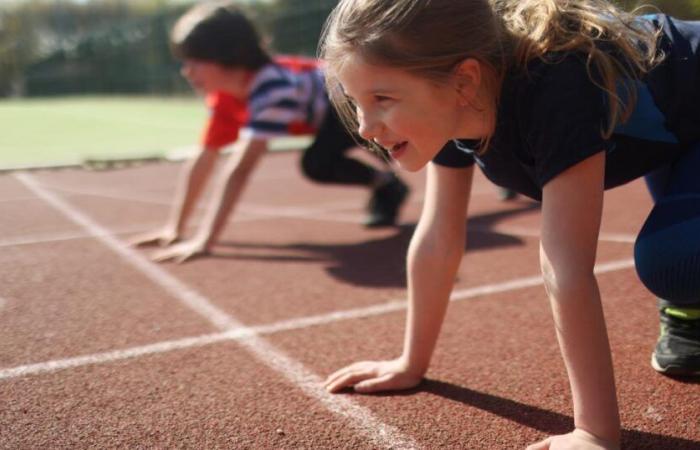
pixel 677 351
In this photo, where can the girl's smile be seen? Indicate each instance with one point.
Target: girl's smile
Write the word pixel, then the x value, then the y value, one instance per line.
pixel 398 150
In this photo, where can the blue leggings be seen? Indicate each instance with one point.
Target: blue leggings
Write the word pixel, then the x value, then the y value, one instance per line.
pixel 667 250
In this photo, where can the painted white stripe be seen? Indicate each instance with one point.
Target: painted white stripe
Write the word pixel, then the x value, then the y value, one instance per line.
pixel 535 232
pixel 332 212
pixel 360 418
pixel 266 211
pixel 286 325
pixel 116 355
pixel 180 291
pixel 329 211
pixel 18 199
pixel 41 238
pixel 520 283
pixel 618 237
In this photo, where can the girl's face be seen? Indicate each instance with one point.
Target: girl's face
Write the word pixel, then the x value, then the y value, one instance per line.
pixel 207 76
pixel 411 117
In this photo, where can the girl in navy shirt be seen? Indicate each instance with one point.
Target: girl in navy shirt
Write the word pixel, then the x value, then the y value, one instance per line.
pixel 557 100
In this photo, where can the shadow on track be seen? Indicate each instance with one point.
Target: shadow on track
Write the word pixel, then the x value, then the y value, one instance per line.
pixel 379 262
pixel 548 422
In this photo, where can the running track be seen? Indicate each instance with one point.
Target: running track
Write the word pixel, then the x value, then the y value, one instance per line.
pixel 100 348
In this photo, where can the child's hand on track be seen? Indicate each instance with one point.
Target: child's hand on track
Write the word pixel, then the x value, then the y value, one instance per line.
pixel 373 376
pixel 576 440
pixel 180 252
pixel 162 237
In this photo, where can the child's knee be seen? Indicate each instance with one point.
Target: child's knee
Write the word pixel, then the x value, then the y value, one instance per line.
pixel 667 250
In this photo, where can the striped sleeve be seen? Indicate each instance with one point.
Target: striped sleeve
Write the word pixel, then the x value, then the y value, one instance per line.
pixel 273 104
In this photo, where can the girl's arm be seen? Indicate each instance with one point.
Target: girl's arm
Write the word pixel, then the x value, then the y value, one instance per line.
pixel 192 180
pixel 434 255
pixel 191 187
pixel 571 213
pixel 229 186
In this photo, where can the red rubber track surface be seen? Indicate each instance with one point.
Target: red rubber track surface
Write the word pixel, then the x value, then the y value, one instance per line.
pixel 296 265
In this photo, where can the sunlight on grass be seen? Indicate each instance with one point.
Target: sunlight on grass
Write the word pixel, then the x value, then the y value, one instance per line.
pixel 69 130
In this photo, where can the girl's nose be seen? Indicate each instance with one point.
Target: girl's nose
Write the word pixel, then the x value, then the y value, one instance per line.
pixel 368 128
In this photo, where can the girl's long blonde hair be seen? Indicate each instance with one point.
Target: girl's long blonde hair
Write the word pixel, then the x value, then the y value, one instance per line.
pixel 431 37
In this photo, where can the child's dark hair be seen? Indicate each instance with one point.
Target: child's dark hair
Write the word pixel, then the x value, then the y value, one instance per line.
pixel 218 32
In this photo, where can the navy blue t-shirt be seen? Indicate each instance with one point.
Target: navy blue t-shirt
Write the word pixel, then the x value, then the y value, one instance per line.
pixel 551 117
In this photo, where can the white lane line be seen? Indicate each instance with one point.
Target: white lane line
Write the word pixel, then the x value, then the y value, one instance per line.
pixel 18 199
pixel 535 232
pixel 359 418
pixel 166 201
pixel 116 355
pixel 281 326
pixel 254 212
pixel 180 291
pixel 41 238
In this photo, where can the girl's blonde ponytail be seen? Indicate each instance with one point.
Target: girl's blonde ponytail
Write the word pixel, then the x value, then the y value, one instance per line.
pixel 618 45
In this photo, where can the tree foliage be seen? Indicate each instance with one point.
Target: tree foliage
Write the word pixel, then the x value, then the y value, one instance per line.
pixel 35 33
pixel 62 46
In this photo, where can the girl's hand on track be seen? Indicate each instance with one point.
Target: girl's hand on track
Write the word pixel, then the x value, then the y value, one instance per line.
pixel 373 376
pixel 180 252
pixel 576 440
pixel 162 237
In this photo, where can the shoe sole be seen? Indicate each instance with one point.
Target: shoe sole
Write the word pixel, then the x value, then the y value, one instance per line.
pixel 671 369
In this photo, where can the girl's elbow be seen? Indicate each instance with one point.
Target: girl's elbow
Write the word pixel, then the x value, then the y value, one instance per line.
pixel 562 283
pixel 439 251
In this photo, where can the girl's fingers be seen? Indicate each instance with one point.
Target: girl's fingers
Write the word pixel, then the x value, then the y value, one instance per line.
pixel 542 445
pixel 347 380
pixel 167 254
pixel 162 256
pixel 142 240
pixel 342 372
pixel 386 382
pixel 182 255
pixel 187 255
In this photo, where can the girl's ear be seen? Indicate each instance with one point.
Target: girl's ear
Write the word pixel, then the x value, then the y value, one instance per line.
pixel 467 80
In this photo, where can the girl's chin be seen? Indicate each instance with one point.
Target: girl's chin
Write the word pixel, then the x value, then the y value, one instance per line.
pixel 408 159
pixel 410 165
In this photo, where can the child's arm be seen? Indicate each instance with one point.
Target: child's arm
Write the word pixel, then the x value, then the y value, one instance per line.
pixel 229 186
pixel 434 255
pixel 192 180
pixel 571 213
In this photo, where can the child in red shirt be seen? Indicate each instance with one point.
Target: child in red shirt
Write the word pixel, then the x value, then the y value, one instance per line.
pixel 236 80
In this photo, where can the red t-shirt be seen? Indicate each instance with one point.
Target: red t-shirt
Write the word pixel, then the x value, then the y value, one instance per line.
pixel 227 114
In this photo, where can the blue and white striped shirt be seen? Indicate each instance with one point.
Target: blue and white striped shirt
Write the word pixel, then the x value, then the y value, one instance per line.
pixel 282 102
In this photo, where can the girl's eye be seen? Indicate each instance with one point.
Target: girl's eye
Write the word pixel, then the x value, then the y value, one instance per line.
pixel 382 98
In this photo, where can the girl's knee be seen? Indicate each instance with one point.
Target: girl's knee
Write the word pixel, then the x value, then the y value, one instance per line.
pixel 667 250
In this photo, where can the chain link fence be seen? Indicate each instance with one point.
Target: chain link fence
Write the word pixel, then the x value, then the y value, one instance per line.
pixel 133 56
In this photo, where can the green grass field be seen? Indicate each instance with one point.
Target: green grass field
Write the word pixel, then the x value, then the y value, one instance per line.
pixel 70 130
